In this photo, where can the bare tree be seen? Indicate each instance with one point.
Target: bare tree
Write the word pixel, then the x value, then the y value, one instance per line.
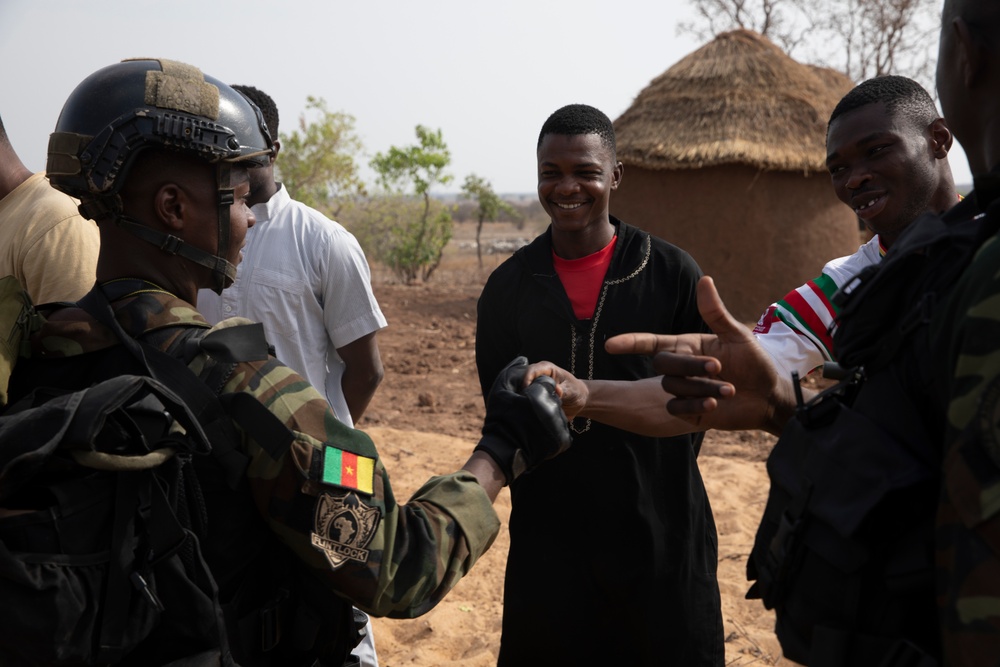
pixel 862 38
pixel 778 20
pixel 878 37
pixel 490 206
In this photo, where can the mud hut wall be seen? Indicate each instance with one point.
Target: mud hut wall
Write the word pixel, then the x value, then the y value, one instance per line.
pixel 758 234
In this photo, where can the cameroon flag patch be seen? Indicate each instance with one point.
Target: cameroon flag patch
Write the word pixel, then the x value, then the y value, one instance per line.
pixel 349 470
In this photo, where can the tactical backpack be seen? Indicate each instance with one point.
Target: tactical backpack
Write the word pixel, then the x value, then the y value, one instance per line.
pixel 101 512
pixel 844 550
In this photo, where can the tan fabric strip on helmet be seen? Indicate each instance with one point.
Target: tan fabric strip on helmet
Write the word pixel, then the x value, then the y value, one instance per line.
pixel 64 149
pixel 182 87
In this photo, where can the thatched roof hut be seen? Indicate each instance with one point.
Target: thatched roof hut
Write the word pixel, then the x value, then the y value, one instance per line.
pixel 725 156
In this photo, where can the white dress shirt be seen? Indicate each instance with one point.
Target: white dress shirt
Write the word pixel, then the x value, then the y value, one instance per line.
pixel 306 279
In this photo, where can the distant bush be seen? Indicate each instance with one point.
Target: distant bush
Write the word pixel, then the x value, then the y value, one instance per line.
pixel 394 231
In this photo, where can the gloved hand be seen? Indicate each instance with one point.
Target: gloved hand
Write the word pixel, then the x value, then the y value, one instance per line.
pixel 523 429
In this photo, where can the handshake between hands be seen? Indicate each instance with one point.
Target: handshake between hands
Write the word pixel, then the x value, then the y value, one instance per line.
pixel 722 380
pixel 524 423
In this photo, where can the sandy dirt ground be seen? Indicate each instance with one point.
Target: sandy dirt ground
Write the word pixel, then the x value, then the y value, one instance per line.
pixel 425 420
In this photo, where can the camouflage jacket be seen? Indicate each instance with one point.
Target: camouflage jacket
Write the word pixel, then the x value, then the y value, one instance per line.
pixel 328 498
pixel 967 331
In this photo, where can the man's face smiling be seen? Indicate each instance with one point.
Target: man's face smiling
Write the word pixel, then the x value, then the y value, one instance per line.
pixel 883 167
pixel 576 174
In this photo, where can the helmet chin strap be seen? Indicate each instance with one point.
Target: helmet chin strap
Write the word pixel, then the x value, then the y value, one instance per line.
pixel 223 273
pixel 221 277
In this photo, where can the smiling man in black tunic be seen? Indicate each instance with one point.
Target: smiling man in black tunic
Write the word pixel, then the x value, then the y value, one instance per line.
pixel 613 552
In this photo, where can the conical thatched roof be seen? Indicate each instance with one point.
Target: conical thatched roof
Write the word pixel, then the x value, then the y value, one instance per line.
pixel 737 100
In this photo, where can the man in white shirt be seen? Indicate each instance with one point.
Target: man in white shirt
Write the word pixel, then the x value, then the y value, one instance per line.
pixel 306 279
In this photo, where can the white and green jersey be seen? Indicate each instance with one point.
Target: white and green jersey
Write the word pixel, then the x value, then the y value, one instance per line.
pixel 795 330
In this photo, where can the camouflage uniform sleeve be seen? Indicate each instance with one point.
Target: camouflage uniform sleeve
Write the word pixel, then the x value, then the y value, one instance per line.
pixel 968 534
pixel 330 500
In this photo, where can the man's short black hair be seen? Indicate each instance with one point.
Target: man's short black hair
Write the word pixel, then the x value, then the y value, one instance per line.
pixel 576 119
pixel 265 104
pixel 902 97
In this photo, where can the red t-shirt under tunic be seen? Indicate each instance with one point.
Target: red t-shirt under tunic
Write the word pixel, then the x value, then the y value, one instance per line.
pixel 582 278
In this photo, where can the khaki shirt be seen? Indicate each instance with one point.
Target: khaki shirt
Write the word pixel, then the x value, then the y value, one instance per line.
pixel 46 244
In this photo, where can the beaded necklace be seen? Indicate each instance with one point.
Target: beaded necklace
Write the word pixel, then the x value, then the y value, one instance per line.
pixel 593 328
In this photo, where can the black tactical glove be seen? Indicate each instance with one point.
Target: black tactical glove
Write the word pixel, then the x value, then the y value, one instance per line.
pixel 523 429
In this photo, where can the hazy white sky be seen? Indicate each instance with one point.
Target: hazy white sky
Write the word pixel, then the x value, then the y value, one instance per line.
pixel 486 73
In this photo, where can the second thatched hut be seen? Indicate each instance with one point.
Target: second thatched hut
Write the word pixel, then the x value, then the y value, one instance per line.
pixel 725 157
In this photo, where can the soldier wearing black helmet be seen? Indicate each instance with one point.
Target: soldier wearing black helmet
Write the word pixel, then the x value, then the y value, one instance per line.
pixel 158 154
pixel 112 121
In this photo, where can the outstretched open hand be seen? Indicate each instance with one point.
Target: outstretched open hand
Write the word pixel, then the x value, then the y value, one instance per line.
pixel 695 366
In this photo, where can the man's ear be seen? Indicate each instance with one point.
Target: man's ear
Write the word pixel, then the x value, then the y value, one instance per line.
pixel 616 175
pixel 941 138
pixel 277 147
pixel 170 203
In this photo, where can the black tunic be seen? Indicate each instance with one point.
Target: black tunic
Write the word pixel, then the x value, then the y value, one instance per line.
pixel 613 551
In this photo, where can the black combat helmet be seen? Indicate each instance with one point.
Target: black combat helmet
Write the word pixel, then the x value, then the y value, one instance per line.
pixel 123 109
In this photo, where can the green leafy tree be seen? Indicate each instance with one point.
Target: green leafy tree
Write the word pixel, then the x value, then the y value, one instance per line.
pixel 417 245
pixel 490 206
pixel 380 223
pixel 317 162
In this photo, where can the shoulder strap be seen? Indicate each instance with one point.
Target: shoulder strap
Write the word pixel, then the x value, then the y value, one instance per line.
pixel 884 304
pixel 213 413
pixel 18 319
